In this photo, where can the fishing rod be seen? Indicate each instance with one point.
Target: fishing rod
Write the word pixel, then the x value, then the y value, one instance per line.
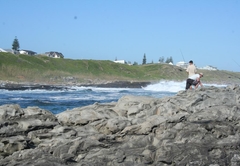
pixel 236 62
pixel 231 74
pixel 182 55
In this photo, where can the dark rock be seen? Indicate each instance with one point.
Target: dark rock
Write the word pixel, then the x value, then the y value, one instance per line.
pixel 14 86
pixel 122 84
pixel 111 84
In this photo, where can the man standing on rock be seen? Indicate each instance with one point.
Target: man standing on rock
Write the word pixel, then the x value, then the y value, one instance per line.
pixel 194 80
pixel 191 69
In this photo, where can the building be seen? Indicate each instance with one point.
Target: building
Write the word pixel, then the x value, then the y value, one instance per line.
pixel 120 61
pixel 209 68
pixel 9 50
pixel 182 64
pixel 2 50
pixel 27 52
pixel 54 54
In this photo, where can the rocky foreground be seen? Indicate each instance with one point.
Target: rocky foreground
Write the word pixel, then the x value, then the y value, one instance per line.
pixel 194 127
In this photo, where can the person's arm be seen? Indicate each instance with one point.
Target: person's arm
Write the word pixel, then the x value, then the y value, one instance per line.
pixel 199 83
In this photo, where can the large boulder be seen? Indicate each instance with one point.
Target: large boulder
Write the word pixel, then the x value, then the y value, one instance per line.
pixel 194 127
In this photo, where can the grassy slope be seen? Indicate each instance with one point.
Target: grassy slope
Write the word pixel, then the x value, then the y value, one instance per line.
pixel 25 68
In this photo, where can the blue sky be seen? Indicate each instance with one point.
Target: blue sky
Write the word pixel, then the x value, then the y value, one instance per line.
pixel 205 31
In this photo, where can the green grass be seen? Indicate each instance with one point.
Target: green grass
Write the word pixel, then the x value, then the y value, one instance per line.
pixel 25 68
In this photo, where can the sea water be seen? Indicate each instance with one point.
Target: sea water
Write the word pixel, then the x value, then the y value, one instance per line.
pixel 58 101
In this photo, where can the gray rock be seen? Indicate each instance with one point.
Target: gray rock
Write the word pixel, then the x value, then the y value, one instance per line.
pixel 194 127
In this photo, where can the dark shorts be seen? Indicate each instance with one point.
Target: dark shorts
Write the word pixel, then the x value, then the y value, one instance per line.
pixel 190 82
pixel 195 82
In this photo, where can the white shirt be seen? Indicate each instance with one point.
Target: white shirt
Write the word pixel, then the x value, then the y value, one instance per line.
pixel 194 77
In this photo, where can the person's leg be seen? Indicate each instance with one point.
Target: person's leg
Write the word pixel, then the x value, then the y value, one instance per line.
pixel 188 83
pixel 196 86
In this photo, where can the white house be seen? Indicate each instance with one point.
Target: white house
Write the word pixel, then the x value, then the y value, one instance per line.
pixel 182 64
pixel 209 68
pixel 120 61
pixel 54 54
pixel 9 50
pixel 27 52
pixel 2 50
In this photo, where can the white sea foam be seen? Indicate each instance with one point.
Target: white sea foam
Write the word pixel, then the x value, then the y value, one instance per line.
pixel 172 86
pixel 99 89
pixel 166 86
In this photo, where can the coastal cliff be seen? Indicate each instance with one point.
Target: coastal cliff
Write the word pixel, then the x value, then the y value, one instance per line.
pixel 194 127
pixel 42 70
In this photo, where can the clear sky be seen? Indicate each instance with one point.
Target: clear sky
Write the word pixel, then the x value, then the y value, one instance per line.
pixel 205 31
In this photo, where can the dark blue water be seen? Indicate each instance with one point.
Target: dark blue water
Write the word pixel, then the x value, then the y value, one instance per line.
pixel 61 100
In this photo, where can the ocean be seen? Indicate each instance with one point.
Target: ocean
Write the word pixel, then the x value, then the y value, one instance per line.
pixel 58 101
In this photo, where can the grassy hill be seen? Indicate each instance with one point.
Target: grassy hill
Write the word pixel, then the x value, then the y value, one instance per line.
pixel 42 69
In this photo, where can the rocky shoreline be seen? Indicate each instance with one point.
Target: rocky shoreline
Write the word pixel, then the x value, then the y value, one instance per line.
pixel 106 84
pixel 64 86
pixel 194 127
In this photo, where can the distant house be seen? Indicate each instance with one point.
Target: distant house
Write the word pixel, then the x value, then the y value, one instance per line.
pixel 27 52
pixel 54 54
pixel 182 64
pixel 209 68
pixel 120 61
pixel 2 50
pixel 9 50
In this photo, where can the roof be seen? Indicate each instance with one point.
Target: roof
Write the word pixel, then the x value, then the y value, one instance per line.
pixel 2 50
pixel 54 54
pixel 29 51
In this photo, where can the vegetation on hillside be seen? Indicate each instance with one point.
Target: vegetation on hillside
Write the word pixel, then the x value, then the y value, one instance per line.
pixel 25 68
pixel 15 45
